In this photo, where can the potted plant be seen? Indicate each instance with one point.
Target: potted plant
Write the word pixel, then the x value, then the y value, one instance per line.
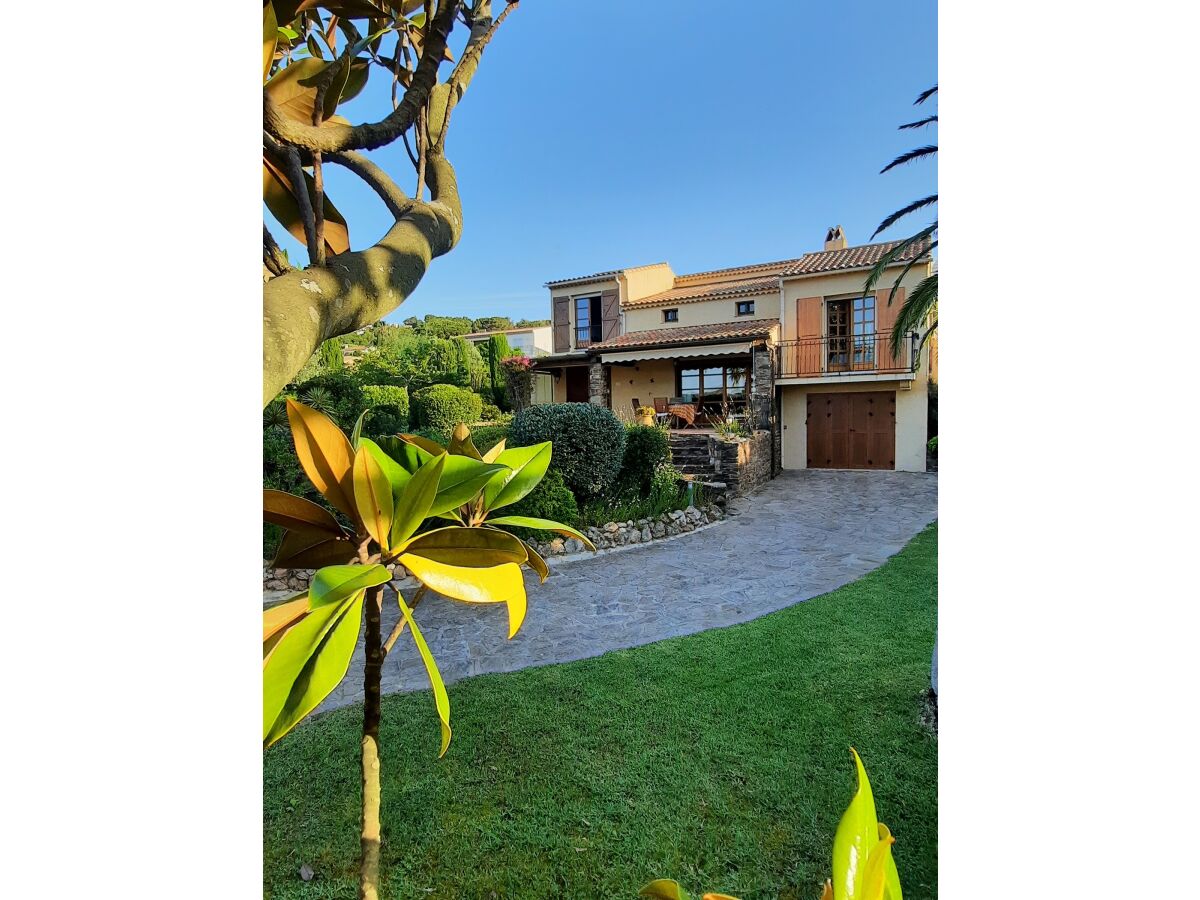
pixel 645 415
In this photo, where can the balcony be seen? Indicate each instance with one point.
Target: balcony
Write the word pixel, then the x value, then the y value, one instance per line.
pixel 859 357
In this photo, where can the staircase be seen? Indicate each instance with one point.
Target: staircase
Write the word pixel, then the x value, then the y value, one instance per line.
pixel 691 455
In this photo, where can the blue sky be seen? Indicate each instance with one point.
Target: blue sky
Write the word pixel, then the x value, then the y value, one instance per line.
pixel 596 136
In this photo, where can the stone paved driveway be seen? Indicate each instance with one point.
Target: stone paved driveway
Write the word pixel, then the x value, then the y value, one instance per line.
pixel 804 534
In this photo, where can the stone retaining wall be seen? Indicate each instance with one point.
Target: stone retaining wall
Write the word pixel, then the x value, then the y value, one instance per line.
pixel 614 534
pixel 744 466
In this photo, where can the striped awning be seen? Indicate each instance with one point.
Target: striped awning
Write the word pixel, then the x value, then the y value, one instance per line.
pixel 690 351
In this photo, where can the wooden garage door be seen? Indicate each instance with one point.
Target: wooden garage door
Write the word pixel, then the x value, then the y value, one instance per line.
pixel 852 431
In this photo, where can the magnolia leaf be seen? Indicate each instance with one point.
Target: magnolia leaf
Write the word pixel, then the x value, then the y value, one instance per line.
pixel 717 897
pixel 433 448
pixel 278 619
pixel 891 878
pixel 296 513
pixel 857 833
pixel 461 443
pixel 396 474
pixel 664 889
pixel 827 890
pixel 493 584
pixel 528 466
pixel 408 456
pixel 270 39
pixel 496 450
pixel 470 547
pixel 307 664
pixel 542 525
pixel 277 194
pixel 356 432
pixel 413 502
pixel 462 480
pixel 325 455
pixel 294 87
pixel 310 549
pixel 875 878
pixel 537 563
pixel 440 698
pixel 373 497
pixel 333 584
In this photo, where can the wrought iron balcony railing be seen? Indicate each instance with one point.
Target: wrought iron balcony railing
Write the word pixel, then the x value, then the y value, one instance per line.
pixel 857 354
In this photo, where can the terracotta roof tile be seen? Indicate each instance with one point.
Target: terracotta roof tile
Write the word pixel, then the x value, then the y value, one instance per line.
pixel 594 277
pixel 689 334
pixel 851 258
pixel 712 291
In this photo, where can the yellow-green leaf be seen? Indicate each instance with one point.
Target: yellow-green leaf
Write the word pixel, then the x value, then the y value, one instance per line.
pixel 528 466
pixel 493 584
pixel 296 513
pixel 462 480
pixel 537 563
pixel 278 619
pixel 270 38
pixel 461 443
pixel 373 497
pixel 413 502
pixel 857 833
pixel 470 547
pixel 325 455
pixel 891 878
pixel 308 548
pixel 395 473
pixel 333 584
pixel 441 699
pixel 281 201
pixel 496 450
pixel 307 664
pixel 542 525
pixel 407 455
pixel 664 889
pixel 433 448
pixel 875 878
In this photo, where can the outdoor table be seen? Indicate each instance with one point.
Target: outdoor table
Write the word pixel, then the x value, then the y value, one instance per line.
pixel 685 411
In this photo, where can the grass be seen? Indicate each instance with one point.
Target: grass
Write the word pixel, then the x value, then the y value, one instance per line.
pixel 719 759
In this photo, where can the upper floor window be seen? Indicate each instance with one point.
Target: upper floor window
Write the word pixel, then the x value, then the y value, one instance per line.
pixel 745 307
pixel 670 315
pixel 850 327
pixel 588 328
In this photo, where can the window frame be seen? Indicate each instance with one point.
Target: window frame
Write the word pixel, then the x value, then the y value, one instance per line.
pixel 671 315
pixel 737 405
pixel 737 307
pixel 594 327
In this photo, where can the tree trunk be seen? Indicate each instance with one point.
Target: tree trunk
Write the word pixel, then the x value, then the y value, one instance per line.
pixel 368 884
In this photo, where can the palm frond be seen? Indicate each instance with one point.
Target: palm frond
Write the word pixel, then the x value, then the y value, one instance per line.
pixel 925 95
pixel 900 277
pixel 928 120
pixel 919 153
pixel 886 260
pixel 901 213
pixel 915 310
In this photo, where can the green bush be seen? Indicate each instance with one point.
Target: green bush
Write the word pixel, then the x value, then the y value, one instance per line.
pixel 485 436
pixel 551 499
pixel 337 394
pixel 440 407
pixel 647 448
pixel 589 443
pixel 491 412
pixel 664 495
pixel 389 409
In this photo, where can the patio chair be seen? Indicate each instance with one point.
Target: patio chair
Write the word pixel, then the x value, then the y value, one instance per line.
pixel 660 410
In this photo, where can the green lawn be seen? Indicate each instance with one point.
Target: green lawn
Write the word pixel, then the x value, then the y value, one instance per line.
pixel 718 759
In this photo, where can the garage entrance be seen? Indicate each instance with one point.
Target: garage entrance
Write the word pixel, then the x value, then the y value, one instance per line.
pixel 852 431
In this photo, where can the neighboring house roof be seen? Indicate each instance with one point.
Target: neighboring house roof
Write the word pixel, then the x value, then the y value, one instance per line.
pixel 581 278
pixel 689 334
pixel 711 291
pixel 852 258
pixel 757 270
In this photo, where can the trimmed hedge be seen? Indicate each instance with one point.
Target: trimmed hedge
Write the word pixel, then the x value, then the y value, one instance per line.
pixel 486 436
pixel 440 407
pixel 647 449
pixel 589 443
pixel 389 408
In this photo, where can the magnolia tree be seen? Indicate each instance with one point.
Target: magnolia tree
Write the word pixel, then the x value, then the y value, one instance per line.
pixel 316 56
pixel 408 501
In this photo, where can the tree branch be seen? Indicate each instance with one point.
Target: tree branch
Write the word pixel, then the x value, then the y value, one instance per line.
pixel 273 257
pixel 389 192
pixel 300 192
pixel 371 135
pixel 483 30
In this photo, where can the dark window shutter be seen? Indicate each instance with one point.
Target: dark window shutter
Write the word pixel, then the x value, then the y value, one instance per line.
pixel 562 324
pixel 610 314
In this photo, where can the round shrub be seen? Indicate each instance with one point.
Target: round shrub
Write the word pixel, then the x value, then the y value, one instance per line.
pixel 389 409
pixel 336 394
pixel 486 436
pixel 440 407
pixel 589 442
pixel 647 449
pixel 491 412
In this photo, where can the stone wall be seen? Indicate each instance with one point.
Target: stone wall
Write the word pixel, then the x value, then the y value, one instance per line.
pixel 614 534
pixel 745 465
pixel 598 384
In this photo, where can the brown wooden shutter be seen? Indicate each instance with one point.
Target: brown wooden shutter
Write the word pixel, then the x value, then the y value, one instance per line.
pixel 885 318
pixel 562 324
pixel 806 355
pixel 610 314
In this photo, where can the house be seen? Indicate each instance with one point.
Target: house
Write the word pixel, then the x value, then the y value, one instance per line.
pixel 533 341
pixel 793 348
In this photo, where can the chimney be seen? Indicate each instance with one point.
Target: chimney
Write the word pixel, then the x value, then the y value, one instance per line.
pixel 835 238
